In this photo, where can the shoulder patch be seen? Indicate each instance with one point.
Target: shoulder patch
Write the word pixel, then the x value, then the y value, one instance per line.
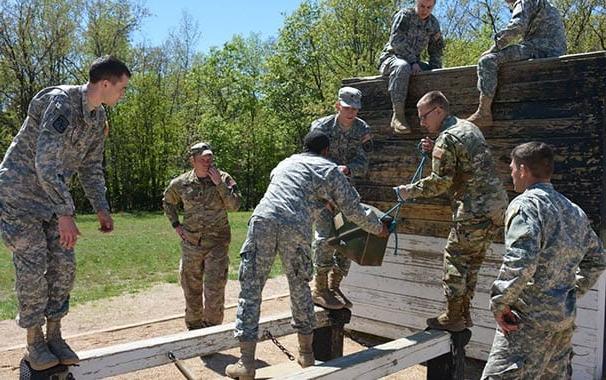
pixel 512 210
pixel 60 124
pixel 438 152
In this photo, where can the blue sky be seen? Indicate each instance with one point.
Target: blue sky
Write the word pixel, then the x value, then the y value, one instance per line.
pixel 218 20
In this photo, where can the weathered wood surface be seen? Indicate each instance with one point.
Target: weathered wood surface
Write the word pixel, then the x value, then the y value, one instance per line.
pixel 559 100
pixel 134 356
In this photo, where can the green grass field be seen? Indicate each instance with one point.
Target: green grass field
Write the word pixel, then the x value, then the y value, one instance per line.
pixel 142 251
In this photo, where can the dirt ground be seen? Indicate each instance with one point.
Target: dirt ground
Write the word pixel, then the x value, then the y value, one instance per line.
pixel 156 312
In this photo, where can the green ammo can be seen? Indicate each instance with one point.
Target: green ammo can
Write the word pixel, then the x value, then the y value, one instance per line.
pixel 356 244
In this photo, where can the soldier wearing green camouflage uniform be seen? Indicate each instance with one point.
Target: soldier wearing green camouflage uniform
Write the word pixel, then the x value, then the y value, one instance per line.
pixel 552 257
pixel 350 142
pixel 282 224
pixel 63 134
pixel 462 168
pixel 539 25
pixel 412 30
pixel 206 195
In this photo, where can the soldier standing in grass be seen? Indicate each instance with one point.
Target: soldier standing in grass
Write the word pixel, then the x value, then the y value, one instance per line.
pixel 62 134
pixel 206 194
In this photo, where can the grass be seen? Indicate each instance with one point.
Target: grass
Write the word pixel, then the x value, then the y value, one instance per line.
pixel 142 251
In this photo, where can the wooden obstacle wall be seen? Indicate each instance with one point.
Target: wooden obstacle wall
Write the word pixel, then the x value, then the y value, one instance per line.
pixel 560 101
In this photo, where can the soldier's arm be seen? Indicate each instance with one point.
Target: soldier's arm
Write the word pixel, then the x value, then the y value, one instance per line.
pixel 359 165
pixel 54 129
pixel 593 263
pixel 347 200
pixel 170 204
pixel 228 191
pixel 435 48
pixel 398 38
pixel 522 246
pixel 518 24
pixel 442 173
pixel 91 174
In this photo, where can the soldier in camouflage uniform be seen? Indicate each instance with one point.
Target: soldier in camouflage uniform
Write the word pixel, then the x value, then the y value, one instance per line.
pixel 412 30
pixel 350 142
pixel 206 195
pixel 62 134
pixel 282 223
pixel 539 25
pixel 462 168
pixel 552 257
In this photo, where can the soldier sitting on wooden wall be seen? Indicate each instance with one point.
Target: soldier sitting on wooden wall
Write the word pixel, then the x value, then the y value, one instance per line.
pixel 463 168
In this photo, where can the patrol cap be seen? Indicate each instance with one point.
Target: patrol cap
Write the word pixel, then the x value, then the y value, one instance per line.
pixel 350 97
pixel 201 148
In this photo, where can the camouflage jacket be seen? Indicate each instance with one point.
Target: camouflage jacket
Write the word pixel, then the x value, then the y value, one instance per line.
pixel 463 167
pixel 350 147
pixel 205 204
pixel 539 24
pixel 552 256
pixel 58 138
pixel 299 189
pixel 410 36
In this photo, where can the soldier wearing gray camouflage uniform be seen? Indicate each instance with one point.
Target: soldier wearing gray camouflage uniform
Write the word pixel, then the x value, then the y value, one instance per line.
pixel 464 169
pixel 206 195
pixel 539 24
pixel 63 134
pixel 350 142
pixel 552 257
pixel 412 30
pixel 282 223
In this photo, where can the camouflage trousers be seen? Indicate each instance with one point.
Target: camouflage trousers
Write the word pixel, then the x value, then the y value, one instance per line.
pixel 399 72
pixel 325 256
pixel 530 353
pixel 44 270
pixel 488 65
pixel 463 255
pixel 203 274
pixel 265 239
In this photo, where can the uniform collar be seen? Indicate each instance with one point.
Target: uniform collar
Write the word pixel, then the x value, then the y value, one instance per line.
pixel 90 117
pixel 540 185
pixel 448 122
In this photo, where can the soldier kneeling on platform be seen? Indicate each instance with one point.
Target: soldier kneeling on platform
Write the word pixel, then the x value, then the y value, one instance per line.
pixel 282 223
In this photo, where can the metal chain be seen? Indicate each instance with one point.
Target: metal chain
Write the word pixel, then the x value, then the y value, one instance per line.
pixel 267 335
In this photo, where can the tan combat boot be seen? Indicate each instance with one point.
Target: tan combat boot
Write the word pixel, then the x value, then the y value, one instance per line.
pixel 37 353
pixel 306 351
pixel 57 345
pixel 483 116
pixel 398 121
pixel 334 282
pixel 244 369
pixel 467 311
pixel 452 320
pixel 322 296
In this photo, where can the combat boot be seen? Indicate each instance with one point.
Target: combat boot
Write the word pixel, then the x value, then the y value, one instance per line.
pixel 452 320
pixel 334 282
pixel 467 311
pixel 37 353
pixel 244 369
pixel 57 345
pixel 306 351
pixel 483 116
pixel 323 296
pixel 398 121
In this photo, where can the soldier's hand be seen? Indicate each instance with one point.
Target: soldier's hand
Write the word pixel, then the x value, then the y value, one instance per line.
pixel 403 192
pixel 68 232
pixel 181 232
pixel 427 144
pixel 106 223
pixel 507 321
pixel 214 175
pixel 344 169
pixel 385 231
pixel 416 68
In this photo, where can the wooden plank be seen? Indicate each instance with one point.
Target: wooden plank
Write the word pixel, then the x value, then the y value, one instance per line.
pixel 381 360
pixel 134 356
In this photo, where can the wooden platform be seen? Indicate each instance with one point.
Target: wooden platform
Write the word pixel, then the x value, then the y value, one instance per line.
pixel 560 101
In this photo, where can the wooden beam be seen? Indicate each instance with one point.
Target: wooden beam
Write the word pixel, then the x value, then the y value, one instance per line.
pixel 382 360
pixel 134 356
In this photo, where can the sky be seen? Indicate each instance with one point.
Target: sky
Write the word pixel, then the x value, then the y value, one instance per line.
pixel 218 21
